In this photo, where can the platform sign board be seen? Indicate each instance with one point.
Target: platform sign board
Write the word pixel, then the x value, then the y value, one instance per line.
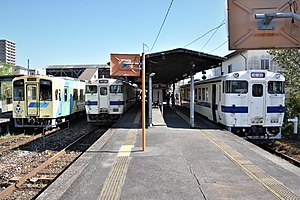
pixel 247 32
pixel 125 65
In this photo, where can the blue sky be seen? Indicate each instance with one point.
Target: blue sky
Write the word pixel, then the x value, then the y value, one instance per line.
pixel 86 32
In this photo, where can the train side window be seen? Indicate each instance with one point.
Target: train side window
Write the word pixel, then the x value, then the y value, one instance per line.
pixel 257 90
pixel 75 94
pixel 240 87
pixel 66 94
pixel 199 94
pixel 196 94
pixel 206 94
pixel 81 94
pixel 45 90
pixel 59 94
pixel 103 91
pixel 56 94
pixel 220 94
pixel 18 90
pixel 203 94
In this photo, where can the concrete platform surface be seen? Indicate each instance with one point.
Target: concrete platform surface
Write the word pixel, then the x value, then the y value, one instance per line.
pixel 178 163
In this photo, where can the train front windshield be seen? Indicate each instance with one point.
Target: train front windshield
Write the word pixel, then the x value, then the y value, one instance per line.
pixel 276 87
pixel 116 89
pixel 91 89
pixel 18 90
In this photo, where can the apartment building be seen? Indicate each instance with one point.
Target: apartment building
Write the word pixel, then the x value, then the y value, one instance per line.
pixel 7 52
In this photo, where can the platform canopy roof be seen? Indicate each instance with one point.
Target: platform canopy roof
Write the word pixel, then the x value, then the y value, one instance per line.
pixel 174 65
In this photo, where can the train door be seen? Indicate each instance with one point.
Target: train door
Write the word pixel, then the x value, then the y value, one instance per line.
pixel 31 100
pixel 257 102
pixel 104 100
pixel 213 107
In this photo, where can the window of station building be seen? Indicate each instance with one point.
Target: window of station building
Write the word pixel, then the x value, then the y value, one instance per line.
pixel 45 90
pixel 91 89
pixel 116 89
pixel 103 91
pixel 18 90
pixel 265 64
pixel 240 87
pixel 257 90
pixel 75 94
pixel 276 87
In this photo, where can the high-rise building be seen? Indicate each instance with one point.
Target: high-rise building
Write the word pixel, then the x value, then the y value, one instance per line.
pixel 7 52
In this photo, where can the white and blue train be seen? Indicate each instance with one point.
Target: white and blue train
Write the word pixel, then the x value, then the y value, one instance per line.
pixel 249 103
pixel 40 101
pixel 107 99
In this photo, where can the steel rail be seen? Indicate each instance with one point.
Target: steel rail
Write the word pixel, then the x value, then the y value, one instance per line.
pixel 22 180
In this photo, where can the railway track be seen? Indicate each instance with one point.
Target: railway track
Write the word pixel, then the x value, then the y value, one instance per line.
pixel 268 147
pixel 20 140
pixel 32 183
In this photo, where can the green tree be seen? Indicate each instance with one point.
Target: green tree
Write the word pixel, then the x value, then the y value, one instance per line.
pixel 289 60
pixel 7 69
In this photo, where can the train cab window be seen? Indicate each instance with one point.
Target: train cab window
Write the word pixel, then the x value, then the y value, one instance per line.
pixel 103 91
pixel 257 90
pixel 276 87
pixel 91 89
pixel 240 87
pixel 116 89
pixel 18 90
pixel 45 90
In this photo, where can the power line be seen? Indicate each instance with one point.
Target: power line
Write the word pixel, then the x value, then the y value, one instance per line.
pixel 218 46
pixel 162 25
pixel 223 22
pixel 212 35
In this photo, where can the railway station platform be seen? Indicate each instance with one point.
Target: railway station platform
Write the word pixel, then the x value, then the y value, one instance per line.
pixel 178 163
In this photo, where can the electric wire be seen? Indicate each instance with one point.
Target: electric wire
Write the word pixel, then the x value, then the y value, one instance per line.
pixel 162 25
pixel 212 35
pixel 222 24
pixel 218 46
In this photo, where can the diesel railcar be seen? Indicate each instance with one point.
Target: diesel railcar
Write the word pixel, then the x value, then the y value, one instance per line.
pixel 249 103
pixel 40 101
pixel 107 99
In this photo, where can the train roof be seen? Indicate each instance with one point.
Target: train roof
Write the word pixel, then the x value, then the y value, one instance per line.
pixel 243 75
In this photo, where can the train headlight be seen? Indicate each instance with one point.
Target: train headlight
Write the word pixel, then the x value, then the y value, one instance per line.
pixel 236 75
pixel 277 76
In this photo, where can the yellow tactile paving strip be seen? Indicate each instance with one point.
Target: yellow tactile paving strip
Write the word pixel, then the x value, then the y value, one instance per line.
pixel 114 182
pixel 274 186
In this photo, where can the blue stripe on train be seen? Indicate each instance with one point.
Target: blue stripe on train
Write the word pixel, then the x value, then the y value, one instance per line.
pixel 91 103
pixel 114 103
pixel 37 104
pixel 234 109
pixel 275 109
